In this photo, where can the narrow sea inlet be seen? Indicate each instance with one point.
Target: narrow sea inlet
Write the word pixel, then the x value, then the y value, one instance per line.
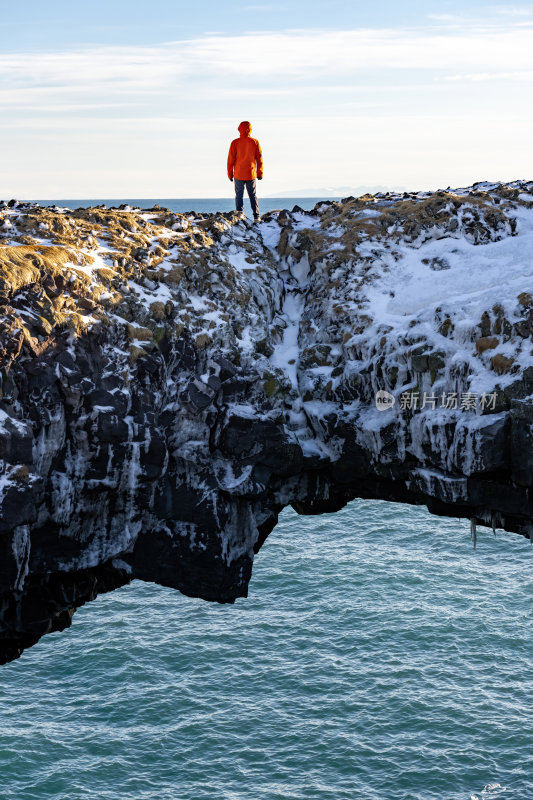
pixel 378 657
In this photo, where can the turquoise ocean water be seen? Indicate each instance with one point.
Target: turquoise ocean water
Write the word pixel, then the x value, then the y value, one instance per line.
pixel 203 205
pixel 378 657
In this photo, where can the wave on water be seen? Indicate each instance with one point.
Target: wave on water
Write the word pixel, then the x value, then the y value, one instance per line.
pixel 378 657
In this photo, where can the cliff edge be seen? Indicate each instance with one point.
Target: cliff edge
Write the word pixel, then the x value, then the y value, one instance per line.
pixel 170 382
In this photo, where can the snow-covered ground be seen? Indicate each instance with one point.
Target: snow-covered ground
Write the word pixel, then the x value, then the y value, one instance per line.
pixel 425 296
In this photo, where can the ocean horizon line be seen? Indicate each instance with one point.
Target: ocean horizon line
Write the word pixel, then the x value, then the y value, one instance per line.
pixel 174 199
pixel 184 205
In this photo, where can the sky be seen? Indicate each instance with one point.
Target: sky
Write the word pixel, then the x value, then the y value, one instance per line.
pixel 127 99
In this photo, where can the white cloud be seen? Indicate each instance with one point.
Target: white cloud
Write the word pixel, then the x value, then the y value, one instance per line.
pixel 478 77
pixel 513 11
pixel 288 56
pixel 487 13
pixel 402 106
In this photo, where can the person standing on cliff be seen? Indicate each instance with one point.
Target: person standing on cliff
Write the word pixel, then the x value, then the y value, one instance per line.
pixel 244 154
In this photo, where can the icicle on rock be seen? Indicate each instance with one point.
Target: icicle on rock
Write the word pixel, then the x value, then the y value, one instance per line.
pixel 473 530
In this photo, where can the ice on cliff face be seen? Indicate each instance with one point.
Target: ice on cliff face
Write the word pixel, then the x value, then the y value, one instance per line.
pixel 372 279
pixel 425 294
pixel 169 382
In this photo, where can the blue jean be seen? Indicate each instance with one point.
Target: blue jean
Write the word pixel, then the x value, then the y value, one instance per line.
pixel 239 195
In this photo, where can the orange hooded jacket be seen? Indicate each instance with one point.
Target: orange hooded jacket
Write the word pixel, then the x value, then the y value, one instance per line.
pixel 243 155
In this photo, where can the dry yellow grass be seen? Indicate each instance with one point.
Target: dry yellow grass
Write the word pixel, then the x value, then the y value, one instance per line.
pixel 486 343
pixel 140 334
pixel 501 364
pixel 26 264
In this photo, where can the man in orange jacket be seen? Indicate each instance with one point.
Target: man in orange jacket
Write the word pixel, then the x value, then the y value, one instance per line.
pixel 244 154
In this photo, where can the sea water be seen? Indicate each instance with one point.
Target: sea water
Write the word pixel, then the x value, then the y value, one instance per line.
pixel 201 205
pixel 378 657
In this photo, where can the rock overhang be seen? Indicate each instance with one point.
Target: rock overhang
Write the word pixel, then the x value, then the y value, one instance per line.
pixel 172 381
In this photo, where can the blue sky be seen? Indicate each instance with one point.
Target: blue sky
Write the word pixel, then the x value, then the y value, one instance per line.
pixel 127 99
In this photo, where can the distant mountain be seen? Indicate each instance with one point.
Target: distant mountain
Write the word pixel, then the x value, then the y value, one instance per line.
pixel 337 191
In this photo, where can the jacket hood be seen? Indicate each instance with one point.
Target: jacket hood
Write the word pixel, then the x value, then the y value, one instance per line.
pixel 245 128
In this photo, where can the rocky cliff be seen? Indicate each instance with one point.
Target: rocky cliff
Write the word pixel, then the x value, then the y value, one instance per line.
pixel 170 382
